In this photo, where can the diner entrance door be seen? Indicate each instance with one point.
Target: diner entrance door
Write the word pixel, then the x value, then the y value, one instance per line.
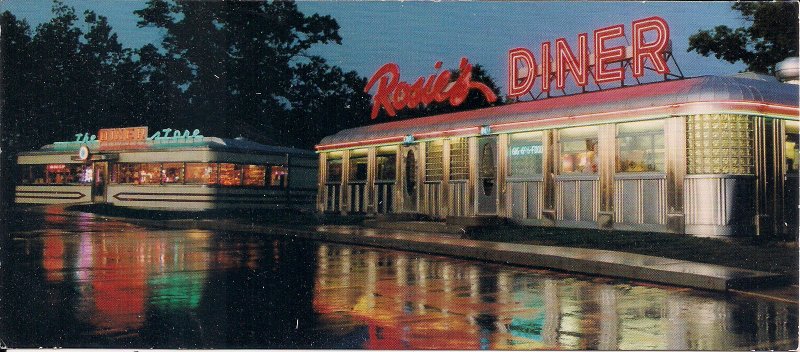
pixel 99 181
pixel 409 177
pixel 487 176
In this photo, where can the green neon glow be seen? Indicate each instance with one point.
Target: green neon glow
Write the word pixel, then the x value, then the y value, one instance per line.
pixel 177 290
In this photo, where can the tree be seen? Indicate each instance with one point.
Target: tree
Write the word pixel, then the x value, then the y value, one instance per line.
pixel 251 73
pixel 771 37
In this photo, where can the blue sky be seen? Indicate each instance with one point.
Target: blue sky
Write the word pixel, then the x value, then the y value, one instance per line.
pixel 417 34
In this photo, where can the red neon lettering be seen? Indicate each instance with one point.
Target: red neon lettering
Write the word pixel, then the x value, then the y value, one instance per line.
pixel 547 68
pixel 393 94
pixel 577 66
pixel 603 56
pixel 652 50
pixel 516 86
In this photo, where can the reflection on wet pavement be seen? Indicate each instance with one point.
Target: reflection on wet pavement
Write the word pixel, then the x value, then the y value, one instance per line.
pixel 87 282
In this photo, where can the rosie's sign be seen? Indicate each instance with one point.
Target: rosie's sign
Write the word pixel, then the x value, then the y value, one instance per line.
pixel 393 94
pixel 523 68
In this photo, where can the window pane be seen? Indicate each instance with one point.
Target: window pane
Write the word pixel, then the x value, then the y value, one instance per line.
pixel 255 175
pixel 230 174
pixel 358 165
pixel 358 169
pixel 172 173
pixel 640 146
pixel 791 147
pixel 58 174
pixel 578 150
pixel 80 174
pixel 149 174
pixel 720 144
pixel 433 160
pixel 335 170
pixel 525 154
pixel 459 159
pixel 201 173
pixel 386 160
pixel 279 176
pixel 124 173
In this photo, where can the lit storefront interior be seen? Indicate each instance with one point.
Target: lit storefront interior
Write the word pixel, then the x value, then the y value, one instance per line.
pixel 175 173
pixel 713 156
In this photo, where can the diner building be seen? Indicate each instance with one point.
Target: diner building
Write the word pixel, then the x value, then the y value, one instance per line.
pixel 710 155
pixel 125 167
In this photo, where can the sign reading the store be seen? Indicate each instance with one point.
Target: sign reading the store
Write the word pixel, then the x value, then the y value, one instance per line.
pixel 392 94
pixel 169 133
pixel 523 69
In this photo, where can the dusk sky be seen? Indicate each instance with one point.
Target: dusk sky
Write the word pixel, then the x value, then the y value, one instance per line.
pixel 417 34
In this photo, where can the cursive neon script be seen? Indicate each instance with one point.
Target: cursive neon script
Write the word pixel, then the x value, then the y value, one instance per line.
pixel 393 94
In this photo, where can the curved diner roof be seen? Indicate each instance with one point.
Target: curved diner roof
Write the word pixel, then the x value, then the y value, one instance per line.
pixel 705 94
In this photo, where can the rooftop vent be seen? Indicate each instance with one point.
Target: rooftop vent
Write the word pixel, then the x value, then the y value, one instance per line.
pixel 788 71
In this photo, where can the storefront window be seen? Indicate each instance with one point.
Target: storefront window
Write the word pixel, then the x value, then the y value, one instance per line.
pixel 82 174
pixel 386 164
pixel 32 174
pixel 255 175
pixel 334 167
pixel 358 165
pixel 230 174
pixel 791 147
pixel 719 144
pixel 172 173
pixel 459 159
pixel 201 173
pixel 433 160
pixel 124 173
pixel 525 153
pixel 640 146
pixel 279 176
pixel 150 174
pixel 578 150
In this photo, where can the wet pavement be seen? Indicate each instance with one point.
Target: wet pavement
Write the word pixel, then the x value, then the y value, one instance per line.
pixel 86 282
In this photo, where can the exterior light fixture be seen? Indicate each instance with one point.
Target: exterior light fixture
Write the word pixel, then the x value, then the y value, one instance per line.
pixel 409 139
pixel 486 130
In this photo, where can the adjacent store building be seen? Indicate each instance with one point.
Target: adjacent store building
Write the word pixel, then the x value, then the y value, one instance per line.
pixel 707 156
pixel 179 170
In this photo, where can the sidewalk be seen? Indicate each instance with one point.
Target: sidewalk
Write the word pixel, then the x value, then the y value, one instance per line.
pixel 578 260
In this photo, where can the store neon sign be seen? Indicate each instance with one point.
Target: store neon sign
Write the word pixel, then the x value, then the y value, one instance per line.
pixel 392 94
pixel 523 68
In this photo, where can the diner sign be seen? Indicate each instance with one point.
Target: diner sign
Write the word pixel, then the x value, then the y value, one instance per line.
pixel 526 150
pixel 122 134
pixel 392 94
pixel 523 68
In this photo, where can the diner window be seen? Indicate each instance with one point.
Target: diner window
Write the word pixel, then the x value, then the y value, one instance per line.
pixel 279 176
pixel 32 174
pixel 358 165
pixel 719 144
pixel 386 164
pixel 149 174
pixel 124 173
pixel 578 147
pixel 459 159
pixel 82 174
pixel 172 173
pixel 791 147
pixel 201 173
pixel 433 160
pixel 640 146
pixel 230 174
pixel 334 170
pixel 525 153
pixel 255 175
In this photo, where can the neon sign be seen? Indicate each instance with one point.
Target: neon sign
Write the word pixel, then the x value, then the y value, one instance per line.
pixel 122 134
pixel 523 68
pixel 176 134
pixel 392 94
pixel 526 150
